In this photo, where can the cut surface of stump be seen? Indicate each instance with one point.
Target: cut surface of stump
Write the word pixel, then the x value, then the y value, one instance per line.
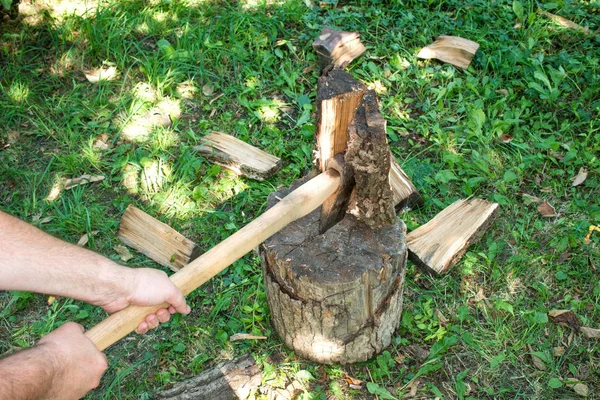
pixel 405 193
pixel 439 244
pixel 229 380
pixel 238 156
pixel 156 240
pixel 335 297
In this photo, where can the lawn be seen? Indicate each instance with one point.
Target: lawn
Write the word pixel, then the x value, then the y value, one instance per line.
pixel 515 128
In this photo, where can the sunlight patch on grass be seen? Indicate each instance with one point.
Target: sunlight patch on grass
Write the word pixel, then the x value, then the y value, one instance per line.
pixel 18 92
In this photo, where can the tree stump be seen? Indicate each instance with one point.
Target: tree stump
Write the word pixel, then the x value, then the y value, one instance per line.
pixel 335 297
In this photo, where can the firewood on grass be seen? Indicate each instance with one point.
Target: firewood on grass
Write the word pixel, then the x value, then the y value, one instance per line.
pixel 451 49
pixel 439 244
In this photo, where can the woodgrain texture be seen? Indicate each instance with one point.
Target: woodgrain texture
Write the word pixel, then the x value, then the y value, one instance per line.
pixel 438 245
pixel 335 297
pixel 156 240
pixel 451 49
pixel 238 156
pixel 228 380
pixel 405 194
pixel 302 201
pixel 336 49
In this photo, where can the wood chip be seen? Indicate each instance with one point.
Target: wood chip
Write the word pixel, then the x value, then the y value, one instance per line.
pixel 565 23
pixel 123 252
pixel 451 49
pixel 590 333
pixel 82 180
pixel 238 156
pixel 245 336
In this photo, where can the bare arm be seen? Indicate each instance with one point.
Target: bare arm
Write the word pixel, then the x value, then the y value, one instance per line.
pixel 34 261
pixel 64 365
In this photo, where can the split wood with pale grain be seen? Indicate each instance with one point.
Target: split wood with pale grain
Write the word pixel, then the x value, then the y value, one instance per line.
pixel 565 23
pixel 228 380
pixel 238 156
pixel 439 244
pixel 297 204
pixel 336 49
pixel 156 240
pixel 451 49
pixel 406 195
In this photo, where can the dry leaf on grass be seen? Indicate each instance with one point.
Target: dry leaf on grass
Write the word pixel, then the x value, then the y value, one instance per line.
pixel 503 92
pixel 85 239
pixel 537 362
pixel 101 74
pixel 590 333
pixel 354 383
pixel 531 199
pixel 51 299
pixel 505 138
pixel 581 177
pixel 414 388
pixel 82 180
pixel 245 336
pixel 558 351
pixel 565 318
pixel 100 145
pixel 123 253
pixel 417 352
pixel 565 23
pixel 578 387
pixel 546 210
pixel 591 230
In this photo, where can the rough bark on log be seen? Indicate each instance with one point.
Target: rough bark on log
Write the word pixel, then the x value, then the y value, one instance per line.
pixel 335 297
pixel 229 380
pixel 440 243
pixel 156 240
pixel 336 49
pixel 238 156
pixel 404 192
pixel 369 156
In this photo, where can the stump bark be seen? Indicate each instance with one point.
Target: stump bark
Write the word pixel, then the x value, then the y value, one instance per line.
pixel 335 297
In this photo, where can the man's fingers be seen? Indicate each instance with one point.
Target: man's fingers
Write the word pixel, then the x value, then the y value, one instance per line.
pixel 172 310
pixel 152 321
pixel 142 328
pixel 163 315
pixel 177 300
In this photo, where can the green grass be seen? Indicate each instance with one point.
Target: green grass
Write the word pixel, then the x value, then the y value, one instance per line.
pixel 237 67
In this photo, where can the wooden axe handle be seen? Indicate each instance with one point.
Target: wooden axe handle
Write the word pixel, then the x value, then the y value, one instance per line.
pixel 297 204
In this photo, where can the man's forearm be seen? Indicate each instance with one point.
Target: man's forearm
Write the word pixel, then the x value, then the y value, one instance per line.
pixel 27 374
pixel 34 261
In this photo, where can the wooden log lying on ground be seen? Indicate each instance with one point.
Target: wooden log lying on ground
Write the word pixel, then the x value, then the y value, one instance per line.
pixel 335 297
pixel 229 380
pixel 238 156
pixel 156 240
pixel 405 193
pixel 438 245
pixel 451 49
pixel 336 49
pixel 369 156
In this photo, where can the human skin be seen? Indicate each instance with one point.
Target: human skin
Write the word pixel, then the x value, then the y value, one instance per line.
pixel 31 260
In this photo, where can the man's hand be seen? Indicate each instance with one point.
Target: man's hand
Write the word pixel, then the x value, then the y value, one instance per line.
pixel 146 287
pixel 64 365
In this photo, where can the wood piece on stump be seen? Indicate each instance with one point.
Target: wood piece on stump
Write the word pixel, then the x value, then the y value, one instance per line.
pixel 369 156
pixel 336 49
pixel 229 380
pixel 451 49
pixel 155 239
pixel 338 96
pixel 440 243
pixel 335 297
pixel 405 194
pixel 238 156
